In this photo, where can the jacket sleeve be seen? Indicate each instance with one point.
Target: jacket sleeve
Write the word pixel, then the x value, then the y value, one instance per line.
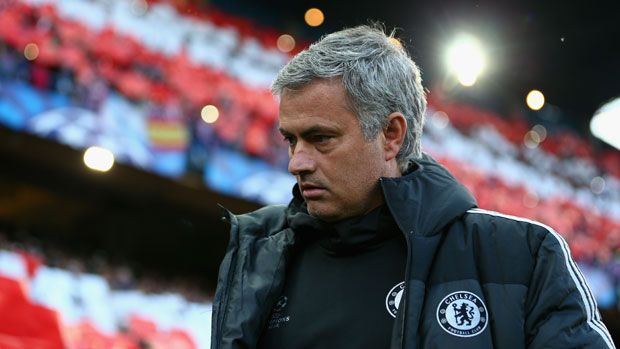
pixel 560 308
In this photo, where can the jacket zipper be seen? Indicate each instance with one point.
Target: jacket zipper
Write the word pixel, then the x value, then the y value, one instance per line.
pixel 404 299
pixel 403 307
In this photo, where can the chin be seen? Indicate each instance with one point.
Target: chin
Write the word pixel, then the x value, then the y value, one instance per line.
pixel 322 213
pixel 328 214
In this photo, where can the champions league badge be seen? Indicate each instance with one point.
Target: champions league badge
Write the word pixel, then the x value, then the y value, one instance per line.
pixel 279 317
pixel 392 301
pixel 280 304
pixel 462 314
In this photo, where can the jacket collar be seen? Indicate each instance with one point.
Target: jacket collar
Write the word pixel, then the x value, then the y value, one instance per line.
pixel 425 199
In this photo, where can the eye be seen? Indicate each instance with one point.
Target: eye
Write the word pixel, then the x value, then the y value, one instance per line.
pixel 320 138
pixel 290 140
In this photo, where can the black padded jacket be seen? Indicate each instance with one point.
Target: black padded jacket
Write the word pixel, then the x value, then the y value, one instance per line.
pixel 474 278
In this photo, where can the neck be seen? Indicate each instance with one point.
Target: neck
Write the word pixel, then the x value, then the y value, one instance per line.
pixel 391 170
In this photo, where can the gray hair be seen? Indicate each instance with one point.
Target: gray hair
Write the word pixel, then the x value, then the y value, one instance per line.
pixel 378 75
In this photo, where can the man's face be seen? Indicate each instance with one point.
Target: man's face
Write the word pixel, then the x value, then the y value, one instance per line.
pixel 336 168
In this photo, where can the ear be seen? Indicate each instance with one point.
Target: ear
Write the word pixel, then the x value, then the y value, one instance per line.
pixel 394 135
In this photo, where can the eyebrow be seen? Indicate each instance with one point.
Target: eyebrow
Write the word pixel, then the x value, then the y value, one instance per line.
pixel 307 132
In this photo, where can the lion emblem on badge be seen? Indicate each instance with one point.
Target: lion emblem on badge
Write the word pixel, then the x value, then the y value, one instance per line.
pixel 462 314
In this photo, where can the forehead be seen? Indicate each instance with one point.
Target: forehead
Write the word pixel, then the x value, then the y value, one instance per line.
pixel 319 103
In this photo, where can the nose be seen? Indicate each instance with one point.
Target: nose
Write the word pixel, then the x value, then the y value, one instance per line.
pixel 301 162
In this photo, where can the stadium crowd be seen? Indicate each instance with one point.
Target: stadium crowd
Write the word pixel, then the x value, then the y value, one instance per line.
pixel 99 304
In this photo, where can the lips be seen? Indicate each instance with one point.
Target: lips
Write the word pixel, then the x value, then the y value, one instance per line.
pixel 311 191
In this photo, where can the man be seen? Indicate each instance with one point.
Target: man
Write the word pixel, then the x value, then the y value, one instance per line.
pixel 381 247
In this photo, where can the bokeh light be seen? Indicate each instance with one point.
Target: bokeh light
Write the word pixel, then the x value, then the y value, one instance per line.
pixel 465 58
pixel 285 43
pixel 541 130
pixel 314 17
pixel 606 122
pixel 531 139
pixel 440 119
pixel 597 185
pixel 31 51
pixel 530 199
pixel 535 100
pixel 98 159
pixel 209 114
pixel 139 7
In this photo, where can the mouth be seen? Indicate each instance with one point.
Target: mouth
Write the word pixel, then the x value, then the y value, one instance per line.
pixel 311 191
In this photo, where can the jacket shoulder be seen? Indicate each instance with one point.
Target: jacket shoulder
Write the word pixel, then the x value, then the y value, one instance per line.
pixel 560 308
pixel 512 230
pixel 265 221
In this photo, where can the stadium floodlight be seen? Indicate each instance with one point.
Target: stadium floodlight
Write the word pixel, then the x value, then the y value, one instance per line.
pixel 98 159
pixel 466 59
pixel 535 100
pixel 606 122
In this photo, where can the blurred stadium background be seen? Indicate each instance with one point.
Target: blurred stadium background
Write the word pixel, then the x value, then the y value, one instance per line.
pixel 123 123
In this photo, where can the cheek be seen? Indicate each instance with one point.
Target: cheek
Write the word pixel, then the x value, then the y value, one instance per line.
pixel 358 172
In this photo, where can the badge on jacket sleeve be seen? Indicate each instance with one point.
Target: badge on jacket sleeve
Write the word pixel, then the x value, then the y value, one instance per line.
pixel 462 314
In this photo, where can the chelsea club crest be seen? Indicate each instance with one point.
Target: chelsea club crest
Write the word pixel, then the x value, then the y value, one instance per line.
pixel 462 314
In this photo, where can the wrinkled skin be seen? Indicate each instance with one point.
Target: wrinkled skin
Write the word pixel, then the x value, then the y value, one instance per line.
pixel 336 168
